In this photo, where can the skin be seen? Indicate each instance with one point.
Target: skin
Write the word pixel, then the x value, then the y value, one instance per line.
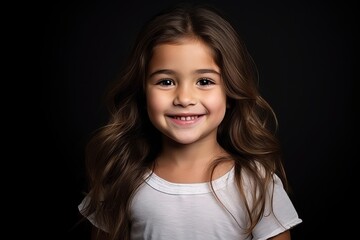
pixel 186 102
pixel 185 81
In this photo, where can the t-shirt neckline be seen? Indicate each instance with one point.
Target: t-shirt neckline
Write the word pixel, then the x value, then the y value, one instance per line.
pixel 165 186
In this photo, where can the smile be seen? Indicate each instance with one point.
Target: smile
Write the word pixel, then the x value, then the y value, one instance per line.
pixel 187 118
pixel 186 121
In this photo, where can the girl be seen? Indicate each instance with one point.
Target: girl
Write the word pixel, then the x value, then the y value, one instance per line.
pixel 189 151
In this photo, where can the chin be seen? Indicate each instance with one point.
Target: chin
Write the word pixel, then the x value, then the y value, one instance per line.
pixel 183 141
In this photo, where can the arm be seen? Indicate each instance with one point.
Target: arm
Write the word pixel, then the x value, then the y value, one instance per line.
pixel 282 236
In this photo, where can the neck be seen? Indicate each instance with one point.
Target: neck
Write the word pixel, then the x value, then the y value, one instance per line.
pixel 190 163
pixel 190 155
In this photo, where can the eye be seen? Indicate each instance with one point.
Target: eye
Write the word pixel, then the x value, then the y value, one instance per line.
pixel 165 82
pixel 205 82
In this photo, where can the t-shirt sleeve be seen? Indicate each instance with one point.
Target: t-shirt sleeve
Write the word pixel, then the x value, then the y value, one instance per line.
pixel 84 203
pixel 282 217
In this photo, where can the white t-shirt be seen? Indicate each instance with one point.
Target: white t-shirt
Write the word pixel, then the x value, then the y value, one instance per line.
pixel 162 210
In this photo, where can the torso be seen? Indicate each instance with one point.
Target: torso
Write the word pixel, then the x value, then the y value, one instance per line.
pixel 163 210
pixel 167 210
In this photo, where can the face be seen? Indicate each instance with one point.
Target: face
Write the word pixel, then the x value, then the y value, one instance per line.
pixel 185 97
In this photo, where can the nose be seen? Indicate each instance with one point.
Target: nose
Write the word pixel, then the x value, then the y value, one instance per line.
pixel 185 96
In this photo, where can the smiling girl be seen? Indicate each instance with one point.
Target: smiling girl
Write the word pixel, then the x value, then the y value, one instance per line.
pixel 188 152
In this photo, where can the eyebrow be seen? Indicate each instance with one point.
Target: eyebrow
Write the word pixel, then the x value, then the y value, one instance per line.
pixel 171 72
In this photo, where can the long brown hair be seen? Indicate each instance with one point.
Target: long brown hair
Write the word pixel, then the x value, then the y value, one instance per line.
pixel 120 153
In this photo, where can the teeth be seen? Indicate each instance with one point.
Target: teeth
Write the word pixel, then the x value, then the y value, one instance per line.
pixel 187 118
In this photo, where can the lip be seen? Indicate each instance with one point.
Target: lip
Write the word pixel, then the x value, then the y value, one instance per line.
pixel 186 120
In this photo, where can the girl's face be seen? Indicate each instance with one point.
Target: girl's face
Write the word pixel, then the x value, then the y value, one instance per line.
pixel 185 97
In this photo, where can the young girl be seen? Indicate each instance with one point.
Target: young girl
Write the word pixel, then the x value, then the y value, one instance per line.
pixel 190 150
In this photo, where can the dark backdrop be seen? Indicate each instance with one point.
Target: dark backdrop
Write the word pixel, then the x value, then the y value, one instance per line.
pixel 304 51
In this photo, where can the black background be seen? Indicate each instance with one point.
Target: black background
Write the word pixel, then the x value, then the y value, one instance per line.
pixel 304 51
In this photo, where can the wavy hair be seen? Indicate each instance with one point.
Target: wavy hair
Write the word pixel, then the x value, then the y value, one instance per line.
pixel 121 152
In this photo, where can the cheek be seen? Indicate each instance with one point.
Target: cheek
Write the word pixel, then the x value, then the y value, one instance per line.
pixel 155 103
pixel 216 103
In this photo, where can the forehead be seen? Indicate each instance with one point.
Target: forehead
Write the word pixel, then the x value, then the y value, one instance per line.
pixel 185 54
pixel 185 41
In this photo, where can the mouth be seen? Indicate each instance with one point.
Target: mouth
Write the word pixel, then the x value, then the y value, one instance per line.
pixel 186 118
